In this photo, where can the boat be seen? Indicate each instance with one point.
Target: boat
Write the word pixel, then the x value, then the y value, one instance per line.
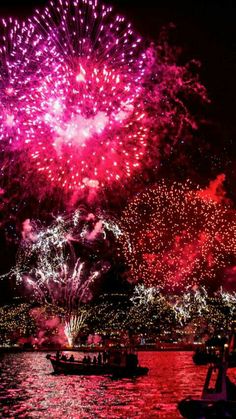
pixel 214 350
pixel 211 352
pixel 218 398
pixel 118 365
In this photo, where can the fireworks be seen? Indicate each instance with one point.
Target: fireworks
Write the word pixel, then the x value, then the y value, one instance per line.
pixel 144 295
pixel 71 76
pixel 177 236
pixel 228 301
pixel 193 303
pixel 85 111
pixel 61 263
pixel 74 324
pixel 86 104
pixel 196 309
pixel 147 310
pixel 150 310
pixel 84 99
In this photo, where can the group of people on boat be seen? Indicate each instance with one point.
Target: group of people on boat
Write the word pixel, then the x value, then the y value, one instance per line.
pixel 116 358
pixel 117 362
pixel 62 357
pixel 100 359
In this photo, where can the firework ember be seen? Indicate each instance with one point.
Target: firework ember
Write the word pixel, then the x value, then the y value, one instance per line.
pixel 177 236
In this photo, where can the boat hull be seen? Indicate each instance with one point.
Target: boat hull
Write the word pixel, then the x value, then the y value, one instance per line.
pixel 204 409
pixel 203 358
pixel 79 368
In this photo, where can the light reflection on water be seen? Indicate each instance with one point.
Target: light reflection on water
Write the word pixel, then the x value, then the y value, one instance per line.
pixel 28 389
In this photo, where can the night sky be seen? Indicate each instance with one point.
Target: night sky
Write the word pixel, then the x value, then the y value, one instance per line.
pixel 205 30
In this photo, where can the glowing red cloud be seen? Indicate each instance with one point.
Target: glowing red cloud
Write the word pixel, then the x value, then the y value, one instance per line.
pixel 215 191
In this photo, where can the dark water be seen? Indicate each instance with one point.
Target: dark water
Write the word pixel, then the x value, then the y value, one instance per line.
pixel 29 390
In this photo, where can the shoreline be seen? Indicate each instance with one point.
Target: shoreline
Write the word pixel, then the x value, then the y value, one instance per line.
pixel 82 349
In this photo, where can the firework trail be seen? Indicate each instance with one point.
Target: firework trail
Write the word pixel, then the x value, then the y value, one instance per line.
pixel 73 325
pixel 177 236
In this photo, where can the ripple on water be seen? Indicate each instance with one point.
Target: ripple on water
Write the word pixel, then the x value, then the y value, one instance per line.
pixel 28 389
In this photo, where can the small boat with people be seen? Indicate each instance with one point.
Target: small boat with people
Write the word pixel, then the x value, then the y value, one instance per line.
pixel 115 363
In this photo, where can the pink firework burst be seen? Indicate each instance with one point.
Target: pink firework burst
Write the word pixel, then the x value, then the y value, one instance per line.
pixel 83 103
pixel 84 123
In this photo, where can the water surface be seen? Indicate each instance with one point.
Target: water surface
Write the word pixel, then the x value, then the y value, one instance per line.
pixel 28 389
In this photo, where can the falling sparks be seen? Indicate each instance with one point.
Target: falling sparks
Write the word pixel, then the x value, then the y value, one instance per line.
pixel 194 302
pixel 74 325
